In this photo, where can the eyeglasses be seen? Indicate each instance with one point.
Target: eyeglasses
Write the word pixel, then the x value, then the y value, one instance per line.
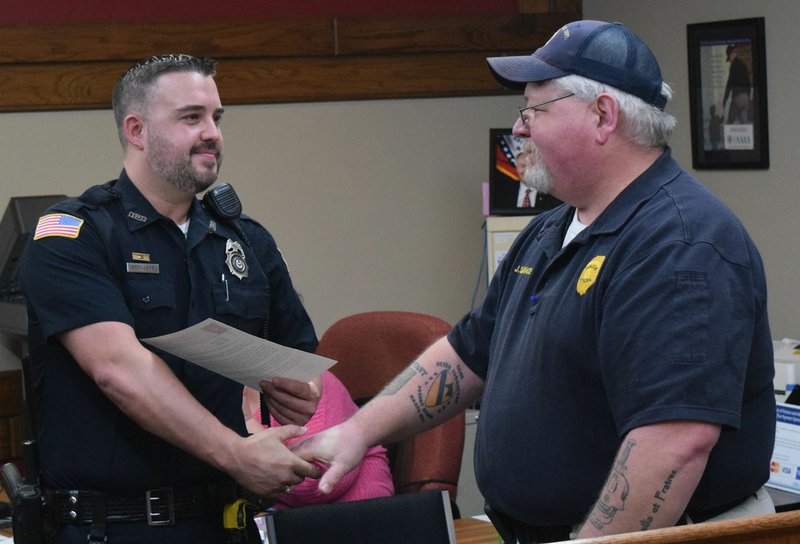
pixel 524 116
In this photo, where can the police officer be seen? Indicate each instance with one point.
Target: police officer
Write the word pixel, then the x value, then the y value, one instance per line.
pixel 136 445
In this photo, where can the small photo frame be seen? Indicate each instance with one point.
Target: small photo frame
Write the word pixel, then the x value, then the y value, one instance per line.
pixel 728 94
pixel 507 194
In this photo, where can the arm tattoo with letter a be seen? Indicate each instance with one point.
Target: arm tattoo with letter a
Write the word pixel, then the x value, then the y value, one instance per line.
pixel 440 388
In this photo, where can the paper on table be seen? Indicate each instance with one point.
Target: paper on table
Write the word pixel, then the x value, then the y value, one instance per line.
pixel 238 355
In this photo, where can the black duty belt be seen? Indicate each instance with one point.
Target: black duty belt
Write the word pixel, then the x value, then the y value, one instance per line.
pixel 161 506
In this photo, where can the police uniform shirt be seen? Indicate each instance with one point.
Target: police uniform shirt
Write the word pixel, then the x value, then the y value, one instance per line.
pixel 655 312
pixel 109 256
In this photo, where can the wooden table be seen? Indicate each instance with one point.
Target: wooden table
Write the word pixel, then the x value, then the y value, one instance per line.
pixel 474 531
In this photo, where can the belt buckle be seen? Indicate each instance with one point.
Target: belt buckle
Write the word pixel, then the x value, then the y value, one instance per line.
pixel 160 506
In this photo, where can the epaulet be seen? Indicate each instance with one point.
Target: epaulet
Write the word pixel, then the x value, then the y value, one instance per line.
pixel 247 219
pixel 98 195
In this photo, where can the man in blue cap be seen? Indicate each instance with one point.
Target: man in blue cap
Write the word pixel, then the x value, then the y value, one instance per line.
pixel 622 355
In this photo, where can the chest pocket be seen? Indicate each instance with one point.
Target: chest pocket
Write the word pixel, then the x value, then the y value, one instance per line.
pixel 150 294
pixel 245 307
pixel 152 302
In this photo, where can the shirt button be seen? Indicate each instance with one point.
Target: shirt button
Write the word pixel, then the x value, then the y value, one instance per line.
pixel 146 300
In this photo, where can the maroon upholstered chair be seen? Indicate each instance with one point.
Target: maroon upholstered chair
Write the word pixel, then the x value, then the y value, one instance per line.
pixel 371 349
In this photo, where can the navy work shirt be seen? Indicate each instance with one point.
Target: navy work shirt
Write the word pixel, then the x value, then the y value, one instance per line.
pixel 110 256
pixel 655 312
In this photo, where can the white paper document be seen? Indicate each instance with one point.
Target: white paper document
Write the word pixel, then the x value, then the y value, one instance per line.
pixel 238 355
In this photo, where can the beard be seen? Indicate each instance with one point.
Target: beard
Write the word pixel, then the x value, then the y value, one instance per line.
pixel 178 169
pixel 536 175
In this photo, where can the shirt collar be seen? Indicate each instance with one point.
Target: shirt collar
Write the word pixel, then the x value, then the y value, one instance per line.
pixel 139 212
pixel 660 173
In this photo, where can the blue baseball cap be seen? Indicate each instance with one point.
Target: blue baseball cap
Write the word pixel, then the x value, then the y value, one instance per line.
pixel 606 52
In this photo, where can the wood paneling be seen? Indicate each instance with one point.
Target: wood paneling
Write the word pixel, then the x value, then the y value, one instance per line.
pixel 548 6
pixel 10 393
pixel 11 423
pixel 77 43
pixel 75 66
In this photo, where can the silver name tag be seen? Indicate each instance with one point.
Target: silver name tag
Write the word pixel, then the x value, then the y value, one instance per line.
pixel 142 268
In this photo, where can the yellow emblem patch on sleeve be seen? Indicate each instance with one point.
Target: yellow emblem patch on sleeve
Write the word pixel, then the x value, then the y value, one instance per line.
pixel 589 274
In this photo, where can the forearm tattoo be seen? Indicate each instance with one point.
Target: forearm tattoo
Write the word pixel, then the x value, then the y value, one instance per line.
pixel 438 389
pixel 615 493
pixel 659 497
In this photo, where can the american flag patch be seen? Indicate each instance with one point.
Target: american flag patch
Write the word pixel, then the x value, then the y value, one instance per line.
pixel 58 224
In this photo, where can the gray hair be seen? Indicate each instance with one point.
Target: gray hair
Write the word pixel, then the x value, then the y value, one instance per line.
pixel 134 89
pixel 644 124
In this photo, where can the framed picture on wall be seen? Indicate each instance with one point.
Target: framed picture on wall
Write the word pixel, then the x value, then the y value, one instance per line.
pixel 728 94
pixel 508 195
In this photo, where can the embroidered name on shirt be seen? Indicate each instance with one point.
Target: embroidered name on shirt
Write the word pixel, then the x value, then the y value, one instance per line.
pixel 589 274
pixel 142 268
pixel 524 270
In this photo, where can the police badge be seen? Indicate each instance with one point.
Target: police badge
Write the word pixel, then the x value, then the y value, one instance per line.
pixel 235 259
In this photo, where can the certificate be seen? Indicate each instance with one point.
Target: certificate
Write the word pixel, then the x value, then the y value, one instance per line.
pixel 238 355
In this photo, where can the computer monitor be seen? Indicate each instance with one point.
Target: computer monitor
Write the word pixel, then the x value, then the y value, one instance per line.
pixel 18 221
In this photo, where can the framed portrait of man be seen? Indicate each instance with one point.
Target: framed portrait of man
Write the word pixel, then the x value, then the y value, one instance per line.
pixel 508 194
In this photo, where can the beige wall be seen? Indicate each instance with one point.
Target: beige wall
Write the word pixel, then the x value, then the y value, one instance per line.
pixel 375 205
pixel 765 200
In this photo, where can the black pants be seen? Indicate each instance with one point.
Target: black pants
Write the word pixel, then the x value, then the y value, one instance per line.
pixel 516 532
pixel 526 534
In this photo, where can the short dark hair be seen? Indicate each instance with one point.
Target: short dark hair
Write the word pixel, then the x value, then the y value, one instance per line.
pixel 134 87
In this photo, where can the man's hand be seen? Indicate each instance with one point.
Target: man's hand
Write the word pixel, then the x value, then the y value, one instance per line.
pixel 292 402
pixel 265 465
pixel 341 448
